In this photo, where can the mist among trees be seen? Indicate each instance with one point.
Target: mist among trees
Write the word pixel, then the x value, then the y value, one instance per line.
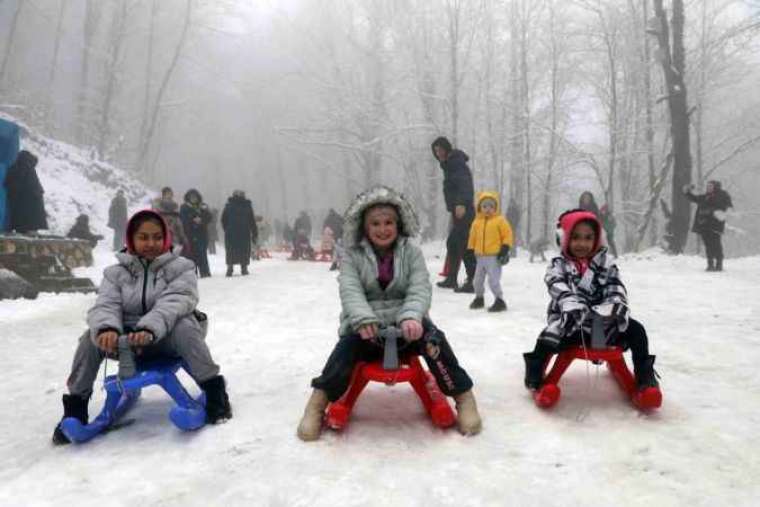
pixel 302 104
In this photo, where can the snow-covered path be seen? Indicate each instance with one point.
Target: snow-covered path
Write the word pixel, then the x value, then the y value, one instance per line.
pixel 272 331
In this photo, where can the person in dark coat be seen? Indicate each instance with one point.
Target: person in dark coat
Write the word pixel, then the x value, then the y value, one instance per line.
pixel 117 219
pixel 334 221
pixel 459 194
pixel 302 238
pixel 81 230
pixel 26 207
pixel 195 218
pixel 587 202
pixel 240 231
pixel 710 220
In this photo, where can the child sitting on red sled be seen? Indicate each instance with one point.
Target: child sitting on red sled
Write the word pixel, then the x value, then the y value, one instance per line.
pixel 384 281
pixel 149 295
pixel 580 280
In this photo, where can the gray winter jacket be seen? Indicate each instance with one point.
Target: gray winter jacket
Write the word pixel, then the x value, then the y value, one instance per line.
pixel 136 294
pixel 571 292
pixel 363 301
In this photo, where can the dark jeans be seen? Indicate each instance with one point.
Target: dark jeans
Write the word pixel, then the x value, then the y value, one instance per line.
pixel 713 246
pixel 634 338
pixel 433 347
pixel 456 246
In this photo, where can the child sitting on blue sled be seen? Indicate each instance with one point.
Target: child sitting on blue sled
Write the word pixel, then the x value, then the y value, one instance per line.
pixel 150 295
pixel 580 280
pixel 384 282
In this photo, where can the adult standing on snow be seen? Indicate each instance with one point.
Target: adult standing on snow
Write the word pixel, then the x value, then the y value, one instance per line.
pixel 169 210
pixel 240 231
pixel 710 220
pixel 587 202
pixel 195 217
pixel 26 207
pixel 459 195
pixel 117 219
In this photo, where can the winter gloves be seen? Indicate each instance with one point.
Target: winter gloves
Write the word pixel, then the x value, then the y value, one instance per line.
pixel 503 256
pixel 573 320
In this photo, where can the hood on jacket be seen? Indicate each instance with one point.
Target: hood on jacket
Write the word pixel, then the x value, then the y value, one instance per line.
pixel 487 194
pixel 567 222
pixel 353 227
pixel 132 225
pixel 190 192
pixel 456 153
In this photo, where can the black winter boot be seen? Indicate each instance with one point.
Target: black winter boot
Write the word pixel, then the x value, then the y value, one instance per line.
pixel 710 265
pixel 719 264
pixel 244 270
pixel 466 288
pixel 477 303
pixel 498 306
pixel 218 408
pixel 448 283
pixel 645 374
pixel 229 272
pixel 73 406
pixel 534 370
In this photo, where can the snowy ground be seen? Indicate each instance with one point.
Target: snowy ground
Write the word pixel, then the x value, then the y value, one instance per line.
pixel 272 331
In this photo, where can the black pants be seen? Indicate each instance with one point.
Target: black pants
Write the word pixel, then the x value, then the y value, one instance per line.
pixel 433 347
pixel 456 247
pixel 634 338
pixel 713 247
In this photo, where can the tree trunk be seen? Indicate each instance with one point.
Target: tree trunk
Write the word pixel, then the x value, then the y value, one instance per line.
pixel 673 66
pixel 112 70
pixel 9 41
pixel 148 72
pixel 146 140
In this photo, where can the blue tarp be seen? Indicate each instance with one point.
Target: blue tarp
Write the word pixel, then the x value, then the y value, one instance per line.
pixel 9 145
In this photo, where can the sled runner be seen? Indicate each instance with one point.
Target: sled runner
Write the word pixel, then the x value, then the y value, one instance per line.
pixel 123 390
pixel 390 371
pixel 598 352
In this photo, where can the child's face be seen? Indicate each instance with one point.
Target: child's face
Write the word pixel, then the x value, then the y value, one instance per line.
pixel 381 226
pixel 149 240
pixel 582 240
pixel 488 207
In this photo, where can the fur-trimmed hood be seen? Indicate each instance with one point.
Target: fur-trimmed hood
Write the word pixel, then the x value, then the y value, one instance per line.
pixel 353 232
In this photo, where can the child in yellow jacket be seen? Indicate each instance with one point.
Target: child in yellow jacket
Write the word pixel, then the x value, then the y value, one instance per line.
pixel 490 240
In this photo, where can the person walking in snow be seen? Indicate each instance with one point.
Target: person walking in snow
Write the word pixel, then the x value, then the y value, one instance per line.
pixel 710 220
pixel 459 194
pixel 169 210
pixel 117 219
pixel 490 241
pixel 581 280
pixel 240 231
pixel 302 248
pixel 195 217
pixel 384 282
pixel 151 296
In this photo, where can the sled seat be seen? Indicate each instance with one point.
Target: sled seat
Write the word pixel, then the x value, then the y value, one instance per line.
pixel 549 392
pixel 410 370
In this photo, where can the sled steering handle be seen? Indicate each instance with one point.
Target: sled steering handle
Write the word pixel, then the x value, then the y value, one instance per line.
pixel 390 336
pixel 127 366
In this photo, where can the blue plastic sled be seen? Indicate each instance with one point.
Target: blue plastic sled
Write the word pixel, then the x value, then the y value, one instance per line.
pixel 188 414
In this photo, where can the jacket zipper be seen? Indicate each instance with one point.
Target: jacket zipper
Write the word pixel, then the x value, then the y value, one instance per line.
pixel 485 226
pixel 144 289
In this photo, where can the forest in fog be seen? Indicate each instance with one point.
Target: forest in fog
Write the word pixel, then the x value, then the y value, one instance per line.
pixel 304 103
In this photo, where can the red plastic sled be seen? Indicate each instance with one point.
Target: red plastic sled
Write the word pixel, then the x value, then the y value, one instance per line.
pixel 411 371
pixel 549 393
pixel 324 256
pixel 263 253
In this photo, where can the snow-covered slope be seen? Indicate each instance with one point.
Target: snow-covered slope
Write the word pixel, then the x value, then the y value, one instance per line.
pixel 271 333
pixel 75 183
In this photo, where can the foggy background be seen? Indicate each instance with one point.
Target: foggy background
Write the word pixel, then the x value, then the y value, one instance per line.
pixel 303 104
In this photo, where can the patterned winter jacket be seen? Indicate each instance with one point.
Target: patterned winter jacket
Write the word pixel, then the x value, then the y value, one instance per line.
pixel 136 294
pixel 569 291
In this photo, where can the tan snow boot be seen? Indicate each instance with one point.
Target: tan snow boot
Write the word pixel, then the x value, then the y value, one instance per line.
pixel 468 419
pixel 311 423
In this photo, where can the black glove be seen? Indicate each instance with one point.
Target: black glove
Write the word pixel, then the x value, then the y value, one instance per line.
pixel 503 256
